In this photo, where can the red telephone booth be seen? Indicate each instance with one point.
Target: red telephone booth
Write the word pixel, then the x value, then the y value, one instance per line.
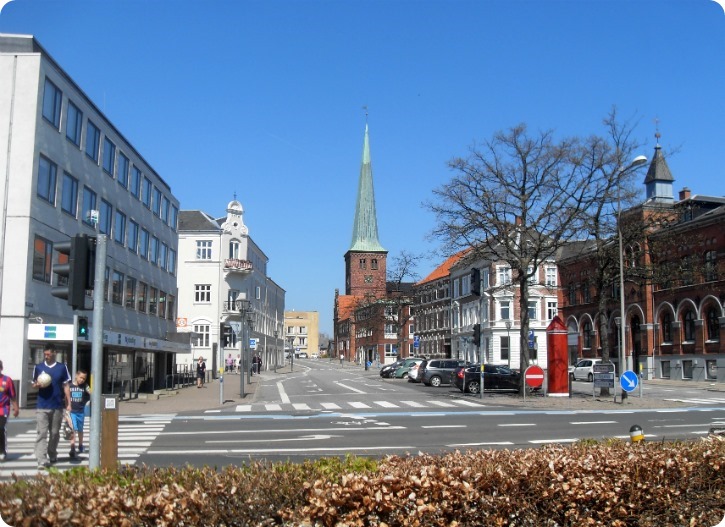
pixel 558 359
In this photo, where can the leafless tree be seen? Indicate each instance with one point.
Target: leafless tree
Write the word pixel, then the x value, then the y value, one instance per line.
pixel 520 198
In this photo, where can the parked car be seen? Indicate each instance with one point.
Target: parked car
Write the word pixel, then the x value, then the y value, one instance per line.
pixel 415 371
pixel 583 370
pixel 495 378
pixel 387 370
pixel 302 355
pixel 401 372
pixel 440 371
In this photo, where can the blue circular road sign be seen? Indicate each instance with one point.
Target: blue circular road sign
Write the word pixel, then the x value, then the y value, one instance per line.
pixel 628 381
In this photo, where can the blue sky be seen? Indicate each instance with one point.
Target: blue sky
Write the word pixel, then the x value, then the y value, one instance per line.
pixel 264 98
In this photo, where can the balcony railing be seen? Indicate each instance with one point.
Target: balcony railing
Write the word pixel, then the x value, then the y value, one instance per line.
pixel 235 306
pixel 235 265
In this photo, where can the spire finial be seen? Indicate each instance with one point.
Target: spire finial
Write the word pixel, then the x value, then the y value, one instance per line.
pixel 235 195
pixel 657 130
pixel 365 107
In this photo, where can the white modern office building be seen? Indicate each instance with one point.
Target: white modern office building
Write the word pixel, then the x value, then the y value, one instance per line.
pixel 67 170
pixel 227 303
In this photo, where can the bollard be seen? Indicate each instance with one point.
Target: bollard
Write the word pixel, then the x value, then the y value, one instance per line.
pixel 109 432
pixel 636 434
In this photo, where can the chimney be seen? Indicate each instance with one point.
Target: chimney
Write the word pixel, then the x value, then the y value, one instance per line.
pixel 684 194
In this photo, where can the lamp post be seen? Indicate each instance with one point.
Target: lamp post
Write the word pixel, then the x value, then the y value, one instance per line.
pixel 276 350
pixel 292 353
pixel 250 328
pixel 508 340
pixel 243 306
pixel 637 162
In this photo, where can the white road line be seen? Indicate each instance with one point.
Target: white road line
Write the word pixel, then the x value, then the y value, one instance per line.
pixel 489 443
pixel 386 404
pixel 282 393
pixel 330 406
pixel 414 404
pixel 592 422
pixel 467 403
pixel 350 388
pixel 517 424
pixel 243 408
pixel 548 441
pixel 444 426
pixel 301 406
pixel 441 403
pixel 273 407
pixel 355 404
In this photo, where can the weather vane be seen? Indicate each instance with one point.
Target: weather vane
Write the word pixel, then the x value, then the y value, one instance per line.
pixel 366 113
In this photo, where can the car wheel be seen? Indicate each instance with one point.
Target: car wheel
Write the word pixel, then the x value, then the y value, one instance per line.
pixel 590 377
pixel 435 381
pixel 473 387
pixel 405 375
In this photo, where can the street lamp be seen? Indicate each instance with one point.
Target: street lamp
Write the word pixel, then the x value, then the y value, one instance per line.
pixel 276 350
pixel 508 343
pixel 637 162
pixel 244 307
pixel 250 328
pixel 292 353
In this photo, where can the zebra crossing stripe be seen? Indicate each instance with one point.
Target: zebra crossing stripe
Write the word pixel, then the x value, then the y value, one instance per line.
pixel 244 408
pixel 273 407
pixel 386 404
pixel 698 401
pixel 301 406
pixel 441 403
pixel 359 405
pixel 331 406
pixel 413 404
pixel 466 403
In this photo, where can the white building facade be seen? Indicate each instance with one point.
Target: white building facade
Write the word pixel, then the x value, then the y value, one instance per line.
pixel 68 170
pixel 225 295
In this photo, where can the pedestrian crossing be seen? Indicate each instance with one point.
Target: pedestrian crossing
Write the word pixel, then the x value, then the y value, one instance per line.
pixel 355 405
pixel 135 436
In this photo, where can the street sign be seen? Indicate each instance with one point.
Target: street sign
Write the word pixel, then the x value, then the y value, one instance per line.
pixel 532 339
pixel 236 326
pixel 253 344
pixel 628 381
pixel 604 380
pixel 603 367
pixel 534 376
pixel 416 342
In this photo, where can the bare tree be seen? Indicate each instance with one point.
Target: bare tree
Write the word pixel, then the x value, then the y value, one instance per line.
pixel 401 277
pixel 519 198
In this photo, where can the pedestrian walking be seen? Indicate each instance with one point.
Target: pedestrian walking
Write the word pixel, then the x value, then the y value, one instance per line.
pixel 52 379
pixel 200 372
pixel 8 398
pixel 239 364
pixel 80 395
pixel 230 363
pixel 257 361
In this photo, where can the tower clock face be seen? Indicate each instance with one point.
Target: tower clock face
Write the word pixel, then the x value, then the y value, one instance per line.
pixel 368 279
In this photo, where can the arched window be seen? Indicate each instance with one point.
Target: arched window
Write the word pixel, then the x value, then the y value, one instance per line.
pixel 713 325
pixel 234 249
pixel 587 334
pixel 666 328
pixel 689 322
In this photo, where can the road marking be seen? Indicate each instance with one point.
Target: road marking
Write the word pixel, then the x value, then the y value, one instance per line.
pixel 350 388
pixel 490 443
pixel 330 406
pixel 243 408
pixel 273 407
pixel 467 403
pixel 312 437
pixel 359 405
pixel 549 441
pixel 284 450
pixel 301 406
pixel 517 424
pixel 386 404
pixel 592 422
pixel 414 404
pixel 444 426
pixel 441 403
pixel 282 393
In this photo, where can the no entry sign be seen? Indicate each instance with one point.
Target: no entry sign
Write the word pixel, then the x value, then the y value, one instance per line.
pixel 534 376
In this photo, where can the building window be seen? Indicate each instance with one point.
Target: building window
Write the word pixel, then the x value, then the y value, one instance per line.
pixel 123 165
pixel 504 275
pixel 202 293
pixel 43 260
pixel 505 310
pixel 374 263
pixel 69 197
pixel 117 288
pixel 689 325
pixel 202 335
pixel 587 335
pixel 153 300
pixel 171 264
pixel 234 249
pixel 89 205
pixel 163 254
pixel 73 124
pixel 165 210
pixel 52 99
pixel 171 307
pixel 135 183
pixel 203 249
pixel 156 205
pixel 587 290
pixel 665 369
pixel 93 141
pixel 551 276
pixel 174 217
pixel 154 250
pixel 119 233
pixel 258 293
pixel 47 173
pixel 363 263
pixel 105 218
pixel 533 310
pixel 143 244
pixel 713 325
pixel 533 275
pixel 505 348
pixel 666 328
pixel 109 156
pixel 141 297
pixel 132 236
pixel 572 295
pixel 162 304
pixel 551 309
pixel 710 266
pixel 147 192
pixel 131 293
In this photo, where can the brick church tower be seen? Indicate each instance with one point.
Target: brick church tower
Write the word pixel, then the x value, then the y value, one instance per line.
pixel 365 260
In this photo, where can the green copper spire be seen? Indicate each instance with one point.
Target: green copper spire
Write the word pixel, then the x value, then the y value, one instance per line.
pixel 365 230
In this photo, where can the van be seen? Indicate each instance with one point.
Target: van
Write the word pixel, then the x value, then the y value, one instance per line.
pixel 440 371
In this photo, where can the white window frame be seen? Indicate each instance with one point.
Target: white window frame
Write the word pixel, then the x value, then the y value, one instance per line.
pixel 203 249
pixel 202 293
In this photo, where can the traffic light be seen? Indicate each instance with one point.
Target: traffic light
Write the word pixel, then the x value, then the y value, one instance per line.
pixel 80 251
pixel 476 282
pixel 226 331
pixel 83 328
pixel 477 334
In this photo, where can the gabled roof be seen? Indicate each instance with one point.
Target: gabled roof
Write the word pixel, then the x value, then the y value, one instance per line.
pixel 346 306
pixel 196 220
pixel 444 269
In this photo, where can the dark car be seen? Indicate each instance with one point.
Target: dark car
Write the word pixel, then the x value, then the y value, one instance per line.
pixel 387 370
pixel 440 371
pixel 495 379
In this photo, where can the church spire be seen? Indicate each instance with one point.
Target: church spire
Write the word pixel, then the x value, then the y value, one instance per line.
pixel 365 229
pixel 658 182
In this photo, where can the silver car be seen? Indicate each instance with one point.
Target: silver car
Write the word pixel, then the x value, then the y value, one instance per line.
pixel 583 370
